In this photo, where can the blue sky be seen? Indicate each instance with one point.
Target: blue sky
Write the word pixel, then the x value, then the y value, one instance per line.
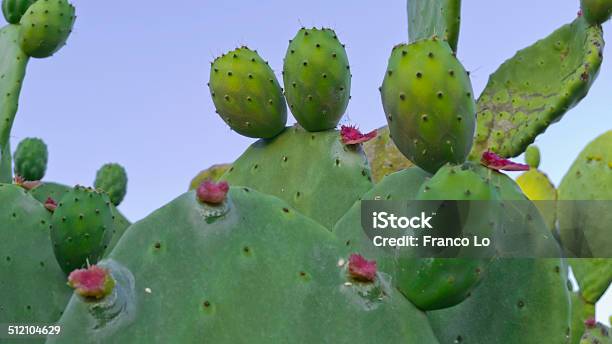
pixel 130 86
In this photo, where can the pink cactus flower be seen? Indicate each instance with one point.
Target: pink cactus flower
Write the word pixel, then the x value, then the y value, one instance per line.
pixel 211 192
pixel 495 162
pixel 362 269
pixel 50 204
pixel 93 282
pixel 352 136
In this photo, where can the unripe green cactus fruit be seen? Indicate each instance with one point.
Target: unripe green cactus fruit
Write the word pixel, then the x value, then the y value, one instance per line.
pixel 247 95
pixel 317 78
pixel 429 104
pixel 532 156
pixel 112 179
pixel 81 228
pixel 596 11
pixel 45 27
pixel 13 10
pixel 31 158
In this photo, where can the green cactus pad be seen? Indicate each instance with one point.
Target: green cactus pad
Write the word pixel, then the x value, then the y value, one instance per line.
pixel 312 171
pixel 585 227
pixel 532 156
pixel 247 95
pixel 537 187
pixel 45 27
pixel 427 19
pixel 13 10
pixel 429 104
pixel 594 276
pixel 81 228
pixel 13 64
pixel 599 334
pixel 213 173
pixel 112 179
pixel 383 155
pixel 33 287
pixel 31 158
pixel 536 88
pixel 521 301
pixel 596 11
pixel 317 79
pixel 213 273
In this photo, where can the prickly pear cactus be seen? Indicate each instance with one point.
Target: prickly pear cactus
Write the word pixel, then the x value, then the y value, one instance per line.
pixel 323 188
pixel 13 64
pixel 532 156
pixel 213 173
pixel 49 189
pixel 154 288
pixel 441 18
pixel 45 27
pixel 509 304
pixel 13 10
pixel 31 158
pixel 33 287
pixel 596 11
pixel 537 187
pixel 581 311
pixel 112 179
pixel 247 95
pixel 594 276
pixel 81 228
pixel 383 155
pixel 536 87
pixel 428 100
pixel 317 78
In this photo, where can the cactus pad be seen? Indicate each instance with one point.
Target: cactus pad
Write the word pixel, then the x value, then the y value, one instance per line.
pixel 247 95
pixel 305 169
pixel 247 285
pixel 429 104
pixel 441 18
pixel 596 11
pixel 317 78
pixel 383 155
pixel 32 288
pixel 536 88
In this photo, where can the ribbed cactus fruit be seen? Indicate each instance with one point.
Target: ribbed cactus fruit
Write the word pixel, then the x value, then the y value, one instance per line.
pixel 427 19
pixel 81 228
pixel 13 64
pixel 31 158
pixel 13 10
pixel 509 304
pixel 596 333
pixel 584 226
pixel 596 11
pixel 247 94
pixel 284 167
pixel 32 287
pixel 327 291
pixel 428 100
pixel 112 179
pixel 45 27
pixel 317 78
pixel 383 155
pixel 213 173
pixel 536 87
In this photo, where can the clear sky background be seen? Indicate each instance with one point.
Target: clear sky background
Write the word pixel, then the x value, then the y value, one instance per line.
pixel 130 87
